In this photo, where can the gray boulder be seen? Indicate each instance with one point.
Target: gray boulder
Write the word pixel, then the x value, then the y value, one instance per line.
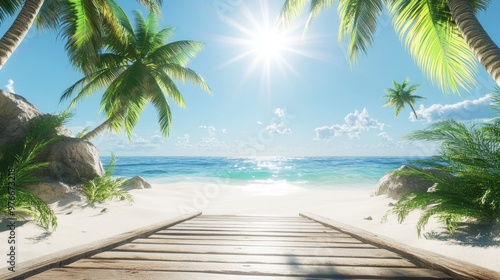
pixel 51 191
pixel 70 159
pixel 395 186
pixel 136 182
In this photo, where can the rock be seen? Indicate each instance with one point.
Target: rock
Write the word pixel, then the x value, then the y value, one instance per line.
pixel 15 113
pixel 395 186
pixel 70 159
pixel 136 182
pixel 369 218
pixel 50 191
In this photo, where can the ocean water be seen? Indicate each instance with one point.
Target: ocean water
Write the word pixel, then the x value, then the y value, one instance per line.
pixel 331 172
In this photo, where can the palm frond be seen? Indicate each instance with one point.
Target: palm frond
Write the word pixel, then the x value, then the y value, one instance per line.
pixel 185 74
pixel 9 8
pixel 290 11
pixel 435 43
pixel 358 24
pixel 179 52
pixel 316 7
pixel 161 105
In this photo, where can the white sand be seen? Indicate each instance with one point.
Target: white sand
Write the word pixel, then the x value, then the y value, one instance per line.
pixel 79 225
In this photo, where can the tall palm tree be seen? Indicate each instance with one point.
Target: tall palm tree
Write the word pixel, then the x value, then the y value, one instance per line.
pixel 81 22
pixel 401 95
pixel 137 68
pixel 433 31
pixel 19 28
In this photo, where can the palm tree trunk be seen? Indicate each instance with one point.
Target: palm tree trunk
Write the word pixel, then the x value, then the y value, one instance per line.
pixel 19 28
pixel 96 131
pixel 476 37
pixel 414 112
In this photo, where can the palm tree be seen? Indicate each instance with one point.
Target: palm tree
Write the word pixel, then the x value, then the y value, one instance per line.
pixel 19 28
pixel 137 68
pixel 81 22
pixel 401 95
pixel 433 32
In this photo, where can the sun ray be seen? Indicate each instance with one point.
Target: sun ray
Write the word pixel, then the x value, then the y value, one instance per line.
pixel 267 47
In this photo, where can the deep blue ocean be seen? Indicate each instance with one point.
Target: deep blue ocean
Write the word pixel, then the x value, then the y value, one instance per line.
pixel 339 172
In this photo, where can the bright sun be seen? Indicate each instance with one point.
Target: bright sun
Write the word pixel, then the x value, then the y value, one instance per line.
pixel 263 44
pixel 269 43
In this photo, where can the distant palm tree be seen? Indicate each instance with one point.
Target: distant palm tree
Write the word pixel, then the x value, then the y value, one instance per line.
pixel 137 68
pixel 401 95
pixel 443 36
pixel 81 22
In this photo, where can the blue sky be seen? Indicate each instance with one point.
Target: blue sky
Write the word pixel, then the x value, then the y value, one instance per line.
pixel 301 100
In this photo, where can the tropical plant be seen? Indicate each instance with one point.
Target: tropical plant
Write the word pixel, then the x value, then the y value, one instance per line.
pixel 470 153
pixel 103 188
pixel 81 22
pixel 432 31
pixel 22 158
pixel 135 69
pixel 401 95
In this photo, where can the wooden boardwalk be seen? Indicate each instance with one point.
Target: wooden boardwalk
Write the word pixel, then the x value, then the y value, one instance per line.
pixel 246 247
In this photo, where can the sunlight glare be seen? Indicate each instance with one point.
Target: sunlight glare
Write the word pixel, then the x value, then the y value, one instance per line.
pixel 265 45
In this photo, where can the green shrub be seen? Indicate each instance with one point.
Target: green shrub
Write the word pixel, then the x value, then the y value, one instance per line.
pixel 22 158
pixel 471 155
pixel 105 188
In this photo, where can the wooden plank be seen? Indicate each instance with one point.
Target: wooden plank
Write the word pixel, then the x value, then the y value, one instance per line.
pixel 250 225
pixel 59 259
pixel 284 259
pixel 254 243
pixel 207 228
pixel 262 269
pixel 248 217
pixel 456 268
pixel 345 238
pixel 250 233
pixel 268 250
pixel 113 274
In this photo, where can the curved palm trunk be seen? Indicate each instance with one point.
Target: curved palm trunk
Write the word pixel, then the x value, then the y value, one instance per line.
pixel 476 37
pixel 96 131
pixel 414 112
pixel 19 28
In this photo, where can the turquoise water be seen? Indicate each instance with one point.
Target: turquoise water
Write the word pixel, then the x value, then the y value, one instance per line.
pixel 349 172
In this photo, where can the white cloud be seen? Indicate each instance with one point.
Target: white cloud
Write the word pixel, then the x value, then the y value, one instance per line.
pixel 355 123
pixel 278 125
pixel 384 135
pixel 211 142
pixel 278 128
pixel 224 131
pixel 259 123
pixel 463 110
pixel 280 113
pixel 183 141
pixel 10 86
pixel 112 142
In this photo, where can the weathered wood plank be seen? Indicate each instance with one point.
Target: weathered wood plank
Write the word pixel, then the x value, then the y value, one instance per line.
pixel 250 233
pixel 345 238
pixel 285 259
pixel 113 274
pixel 268 250
pixel 262 269
pixel 252 225
pixel 458 269
pixel 298 230
pixel 59 259
pixel 255 243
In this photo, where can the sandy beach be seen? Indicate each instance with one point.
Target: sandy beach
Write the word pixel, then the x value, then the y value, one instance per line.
pixel 80 224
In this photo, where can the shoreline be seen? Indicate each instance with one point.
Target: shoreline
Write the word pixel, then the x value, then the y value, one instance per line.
pixel 79 225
